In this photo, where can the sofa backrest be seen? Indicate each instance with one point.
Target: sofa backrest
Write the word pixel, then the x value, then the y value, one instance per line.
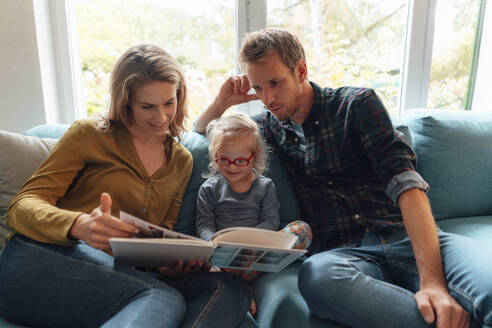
pixel 454 151
pixel 20 157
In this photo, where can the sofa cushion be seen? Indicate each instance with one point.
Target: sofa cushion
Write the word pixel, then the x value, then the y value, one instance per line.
pixel 476 227
pixel 280 303
pixel 47 130
pixel 197 144
pixel 21 156
pixel 454 150
pixel 403 130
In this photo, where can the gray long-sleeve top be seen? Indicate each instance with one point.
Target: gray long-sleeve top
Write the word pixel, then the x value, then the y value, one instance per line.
pixel 220 207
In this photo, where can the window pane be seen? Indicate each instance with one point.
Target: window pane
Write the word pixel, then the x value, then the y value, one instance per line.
pixel 199 34
pixel 452 53
pixel 349 42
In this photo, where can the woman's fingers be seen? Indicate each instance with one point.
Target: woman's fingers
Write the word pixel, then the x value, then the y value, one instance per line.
pixel 117 225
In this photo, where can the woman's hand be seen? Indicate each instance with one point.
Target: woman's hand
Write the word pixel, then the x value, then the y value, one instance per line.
pixel 181 269
pixel 96 228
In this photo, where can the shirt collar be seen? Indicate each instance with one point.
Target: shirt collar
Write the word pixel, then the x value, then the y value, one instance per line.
pixel 314 113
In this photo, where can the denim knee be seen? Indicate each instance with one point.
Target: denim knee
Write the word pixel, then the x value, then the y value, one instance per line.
pixel 167 298
pixel 483 307
pixel 152 307
pixel 323 281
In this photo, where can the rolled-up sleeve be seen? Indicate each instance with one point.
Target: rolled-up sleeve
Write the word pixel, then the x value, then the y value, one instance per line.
pixel 405 181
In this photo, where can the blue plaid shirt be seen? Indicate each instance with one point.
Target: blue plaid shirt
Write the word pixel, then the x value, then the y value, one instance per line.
pixel 352 168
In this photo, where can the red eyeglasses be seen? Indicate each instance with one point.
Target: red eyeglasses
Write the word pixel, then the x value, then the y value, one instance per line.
pixel 241 162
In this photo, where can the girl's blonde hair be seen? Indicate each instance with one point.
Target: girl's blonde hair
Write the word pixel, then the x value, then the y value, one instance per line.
pixel 140 64
pixel 233 126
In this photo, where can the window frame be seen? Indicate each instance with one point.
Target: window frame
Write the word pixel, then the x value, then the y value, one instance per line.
pixel 61 70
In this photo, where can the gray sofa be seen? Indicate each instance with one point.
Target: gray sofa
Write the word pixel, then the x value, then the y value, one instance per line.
pixel 454 151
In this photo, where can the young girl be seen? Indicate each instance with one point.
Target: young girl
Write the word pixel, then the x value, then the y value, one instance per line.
pixel 236 193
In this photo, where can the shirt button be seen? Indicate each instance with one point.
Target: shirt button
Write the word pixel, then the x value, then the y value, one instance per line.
pixel 147 193
pixel 316 122
pixel 144 209
pixel 296 139
pixel 356 216
pixel 330 182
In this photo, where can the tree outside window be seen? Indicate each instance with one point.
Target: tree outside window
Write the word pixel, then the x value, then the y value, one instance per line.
pixel 199 34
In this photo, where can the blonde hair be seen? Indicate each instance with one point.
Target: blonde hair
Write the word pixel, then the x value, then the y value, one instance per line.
pixel 140 64
pixel 259 44
pixel 232 126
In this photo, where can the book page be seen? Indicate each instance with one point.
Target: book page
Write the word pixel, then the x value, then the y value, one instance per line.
pixel 149 230
pixel 237 256
pixel 255 237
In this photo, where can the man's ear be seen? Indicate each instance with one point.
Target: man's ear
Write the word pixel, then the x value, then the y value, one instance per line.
pixel 301 70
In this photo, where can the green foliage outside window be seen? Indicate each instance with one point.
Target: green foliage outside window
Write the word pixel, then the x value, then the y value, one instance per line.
pixel 348 42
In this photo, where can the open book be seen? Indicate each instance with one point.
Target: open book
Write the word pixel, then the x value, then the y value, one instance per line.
pixel 238 248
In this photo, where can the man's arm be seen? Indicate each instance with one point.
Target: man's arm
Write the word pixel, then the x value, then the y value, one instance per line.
pixel 433 298
pixel 232 92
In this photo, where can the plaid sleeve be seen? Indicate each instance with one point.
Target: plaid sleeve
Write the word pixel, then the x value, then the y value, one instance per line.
pixel 387 152
pixel 403 182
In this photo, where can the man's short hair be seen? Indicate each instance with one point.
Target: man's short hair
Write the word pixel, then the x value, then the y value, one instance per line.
pixel 259 44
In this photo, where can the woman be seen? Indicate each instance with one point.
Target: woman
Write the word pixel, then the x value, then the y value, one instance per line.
pixel 53 272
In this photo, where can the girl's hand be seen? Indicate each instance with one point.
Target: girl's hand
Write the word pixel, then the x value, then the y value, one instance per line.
pixel 96 228
pixel 181 269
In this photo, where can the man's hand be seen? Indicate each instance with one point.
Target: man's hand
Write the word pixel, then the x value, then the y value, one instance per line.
pixel 96 228
pixel 234 91
pixel 181 269
pixel 436 302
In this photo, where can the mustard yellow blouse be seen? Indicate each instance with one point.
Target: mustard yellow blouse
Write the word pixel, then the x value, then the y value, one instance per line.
pixel 85 163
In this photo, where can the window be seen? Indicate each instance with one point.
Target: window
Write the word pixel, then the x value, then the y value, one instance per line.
pixel 413 53
pixel 453 53
pixel 199 34
pixel 353 42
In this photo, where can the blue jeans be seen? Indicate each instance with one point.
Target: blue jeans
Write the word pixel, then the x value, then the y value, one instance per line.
pixel 45 285
pixel 372 284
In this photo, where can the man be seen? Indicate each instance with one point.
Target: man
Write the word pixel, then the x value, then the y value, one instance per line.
pixel 380 260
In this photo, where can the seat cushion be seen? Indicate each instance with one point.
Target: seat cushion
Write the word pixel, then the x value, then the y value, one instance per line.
pixel 454 150
pixel 279 302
